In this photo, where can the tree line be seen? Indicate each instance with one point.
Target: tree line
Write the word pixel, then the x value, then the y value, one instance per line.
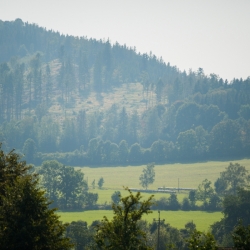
pixel 190 132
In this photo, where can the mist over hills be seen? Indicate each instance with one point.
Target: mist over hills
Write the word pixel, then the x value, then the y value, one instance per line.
pixel 88 102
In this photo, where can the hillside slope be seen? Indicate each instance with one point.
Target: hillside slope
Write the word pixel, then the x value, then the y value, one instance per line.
pixel 84 101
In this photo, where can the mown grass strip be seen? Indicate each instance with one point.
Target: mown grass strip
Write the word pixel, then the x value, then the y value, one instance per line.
pixel 177 219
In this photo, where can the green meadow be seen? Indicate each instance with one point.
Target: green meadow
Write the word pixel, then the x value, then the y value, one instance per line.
pixel 176 219
pixel 188 175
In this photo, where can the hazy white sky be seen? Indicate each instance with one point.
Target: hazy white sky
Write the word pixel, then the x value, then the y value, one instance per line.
pixel 211 34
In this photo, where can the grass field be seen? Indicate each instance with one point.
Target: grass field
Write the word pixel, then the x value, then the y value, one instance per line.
pixel 176 219
pixel 189 175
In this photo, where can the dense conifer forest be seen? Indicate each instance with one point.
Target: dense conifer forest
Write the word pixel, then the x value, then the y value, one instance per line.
pixel 89 102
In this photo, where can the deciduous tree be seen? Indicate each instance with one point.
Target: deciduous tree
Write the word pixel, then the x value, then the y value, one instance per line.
pixel 235 208
pixel 200 241
pixel 123 231
pixel 241 236
pixel 233 177
pixel 204 191
pixel 116 196
pixel 148 175
pixel 100 182
pixel 81 235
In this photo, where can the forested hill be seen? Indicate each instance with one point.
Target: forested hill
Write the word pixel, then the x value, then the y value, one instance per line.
pixel 89 102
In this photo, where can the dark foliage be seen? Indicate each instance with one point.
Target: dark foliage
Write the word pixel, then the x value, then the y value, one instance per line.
pixel 26 222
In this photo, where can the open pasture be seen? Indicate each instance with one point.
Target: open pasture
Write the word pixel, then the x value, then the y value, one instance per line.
pixel 176 219
pixel 189 175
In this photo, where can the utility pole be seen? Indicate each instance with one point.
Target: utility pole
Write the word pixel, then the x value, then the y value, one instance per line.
pixel 158 236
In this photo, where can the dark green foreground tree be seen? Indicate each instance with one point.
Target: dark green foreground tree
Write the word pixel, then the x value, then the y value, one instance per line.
pixel 201 241
pixel 124 232
pixel 241 236
pixel 81 235
pixel 26 222
pixel 235 208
